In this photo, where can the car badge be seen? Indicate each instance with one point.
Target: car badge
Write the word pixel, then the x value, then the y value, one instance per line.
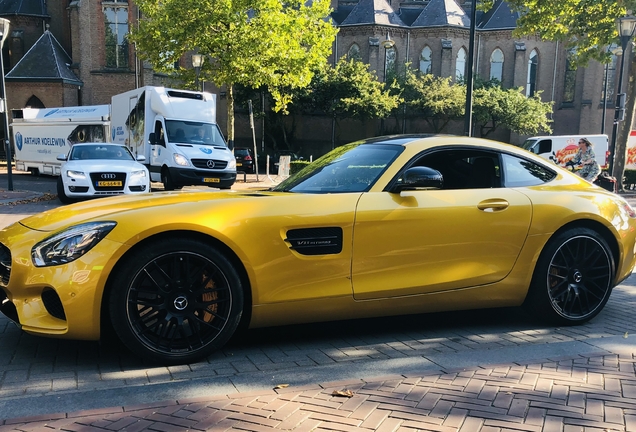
pixel 206 150
pixel 210 164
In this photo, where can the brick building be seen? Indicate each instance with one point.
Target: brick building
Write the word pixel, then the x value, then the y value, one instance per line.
pixel 75 52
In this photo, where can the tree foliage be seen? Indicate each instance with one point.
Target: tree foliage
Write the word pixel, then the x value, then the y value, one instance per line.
pixel 435 99
pixel 495 107
pixel 349 90
pixel 255 43
pixel 589 26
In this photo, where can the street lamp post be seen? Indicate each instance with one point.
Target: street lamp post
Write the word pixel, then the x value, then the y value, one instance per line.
pixel 387 44
pixel 197 62
pixel 626 27
pixel 4 32
pixel 468 115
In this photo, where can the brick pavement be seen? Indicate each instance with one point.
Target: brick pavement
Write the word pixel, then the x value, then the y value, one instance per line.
pixel 581 393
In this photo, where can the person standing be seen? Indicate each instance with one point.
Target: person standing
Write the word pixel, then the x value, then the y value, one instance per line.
pixel 590 169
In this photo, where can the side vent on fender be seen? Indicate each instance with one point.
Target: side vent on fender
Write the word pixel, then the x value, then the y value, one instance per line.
pixel 316 241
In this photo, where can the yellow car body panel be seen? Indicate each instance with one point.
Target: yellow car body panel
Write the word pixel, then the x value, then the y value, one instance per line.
pixel 408 252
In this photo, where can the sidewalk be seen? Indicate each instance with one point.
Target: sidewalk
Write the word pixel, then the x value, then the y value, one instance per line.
pixel 593 392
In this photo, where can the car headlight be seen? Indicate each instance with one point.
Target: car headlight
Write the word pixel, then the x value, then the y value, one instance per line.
pixel 70 244
pixel 137 175
pixel 76 175
pixel 180 160
pixel 231 164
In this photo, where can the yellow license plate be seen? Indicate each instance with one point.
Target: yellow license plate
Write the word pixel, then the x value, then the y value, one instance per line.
pixel 211 180
pixel 109 183
pixel 239 164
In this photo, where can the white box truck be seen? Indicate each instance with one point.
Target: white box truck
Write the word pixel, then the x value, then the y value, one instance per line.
pixel 40 135
pixel 176 131
pixel 561 148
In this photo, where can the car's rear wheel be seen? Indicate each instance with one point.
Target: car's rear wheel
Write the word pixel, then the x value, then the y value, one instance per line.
pixel 176 301
pixel 61 193
pixel 573 278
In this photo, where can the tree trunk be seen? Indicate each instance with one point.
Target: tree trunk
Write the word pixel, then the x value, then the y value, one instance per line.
pixel 625 127
pixel 230 116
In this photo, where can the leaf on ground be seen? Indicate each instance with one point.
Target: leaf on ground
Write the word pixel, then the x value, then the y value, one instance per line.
pixel 281 386
pixel 343 393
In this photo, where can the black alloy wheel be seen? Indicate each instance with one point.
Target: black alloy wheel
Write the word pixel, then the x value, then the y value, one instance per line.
pixel 573 278
pixel 176 302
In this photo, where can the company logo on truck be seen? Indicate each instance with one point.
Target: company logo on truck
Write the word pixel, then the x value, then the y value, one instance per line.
pixel 18 140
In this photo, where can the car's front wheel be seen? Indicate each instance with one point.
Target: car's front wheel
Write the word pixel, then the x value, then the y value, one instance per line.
pixel 61 193
pixel 176 301
pixel 573 278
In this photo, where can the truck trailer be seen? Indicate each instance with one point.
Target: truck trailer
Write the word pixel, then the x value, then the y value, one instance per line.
pixel 41 134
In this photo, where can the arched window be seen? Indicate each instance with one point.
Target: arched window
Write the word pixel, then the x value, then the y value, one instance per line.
pixel 609 80
pixel 496 65
pixel 389 63
pixel 34 102
pixel 531 81
pixel 460 65
pixel 425 60
pixel 569 79
pixel 354 52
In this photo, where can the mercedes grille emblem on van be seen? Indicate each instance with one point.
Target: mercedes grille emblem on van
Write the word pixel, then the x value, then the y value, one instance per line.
pixel 108 176
pixel 210 164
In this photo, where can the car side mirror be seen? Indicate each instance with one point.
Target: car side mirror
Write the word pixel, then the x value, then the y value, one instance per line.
pixel 61 157
pixel 140 158
pixel 419 178
pixel 152 138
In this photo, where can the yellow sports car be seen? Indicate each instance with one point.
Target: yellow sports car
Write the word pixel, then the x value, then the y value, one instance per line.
pixel 387 226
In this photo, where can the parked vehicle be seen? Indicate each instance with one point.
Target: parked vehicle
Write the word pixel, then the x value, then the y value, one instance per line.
pixel 177 133
pixel 387 226
pixel 244 159
pixel 561 148
pixel 40 135
pixel 96 170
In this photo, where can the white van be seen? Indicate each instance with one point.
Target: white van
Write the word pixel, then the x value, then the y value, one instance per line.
pixel 561 148
pixel 177 133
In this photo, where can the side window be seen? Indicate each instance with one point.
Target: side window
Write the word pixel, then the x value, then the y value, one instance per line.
pixel 159 133
pixel 465 169
pixel 545 146
pixel 521 172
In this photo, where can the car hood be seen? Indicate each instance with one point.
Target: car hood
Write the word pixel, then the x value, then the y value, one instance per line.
pixel 61 217
pixel 97 165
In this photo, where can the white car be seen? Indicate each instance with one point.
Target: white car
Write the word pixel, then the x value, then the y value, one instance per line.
pixel 93 170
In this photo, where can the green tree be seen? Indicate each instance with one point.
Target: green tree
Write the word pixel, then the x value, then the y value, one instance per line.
pixel 255 43
pixel 495 107
pixel 350 90
pixel 346 90
pixel 435 99
pixel 588 27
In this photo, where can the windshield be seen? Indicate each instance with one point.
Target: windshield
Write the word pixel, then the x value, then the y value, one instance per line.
pixel 100 151
pixel 527 145
pixel 351 168
pixel 192 132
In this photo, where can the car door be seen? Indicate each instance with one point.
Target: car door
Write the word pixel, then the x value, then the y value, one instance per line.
pixel 470 233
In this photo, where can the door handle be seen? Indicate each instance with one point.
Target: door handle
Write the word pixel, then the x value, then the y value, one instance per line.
pixel 493 205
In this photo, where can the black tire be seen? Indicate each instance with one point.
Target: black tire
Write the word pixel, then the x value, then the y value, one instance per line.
pixel 175 301
pixel 573 278
pixel 61 193
pixel 166 179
